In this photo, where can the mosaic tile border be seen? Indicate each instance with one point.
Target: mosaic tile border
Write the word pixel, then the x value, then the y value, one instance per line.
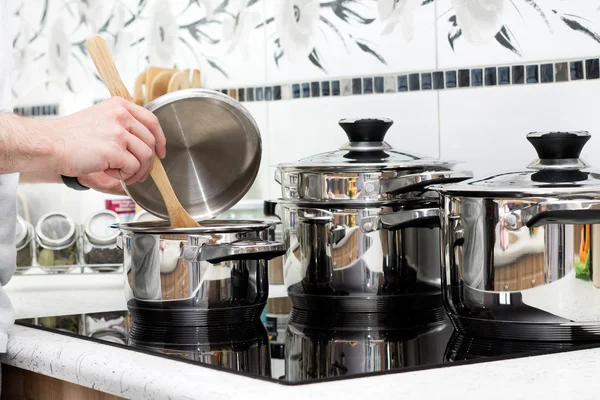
pixel 447 79
pixel 460 78
pixel 37 111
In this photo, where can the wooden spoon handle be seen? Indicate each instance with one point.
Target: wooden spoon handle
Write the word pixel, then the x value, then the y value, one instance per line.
pixel 108 71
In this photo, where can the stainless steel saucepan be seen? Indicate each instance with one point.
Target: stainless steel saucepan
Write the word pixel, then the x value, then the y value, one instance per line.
pixel 211 275
pixel 521 250
pixel 360 226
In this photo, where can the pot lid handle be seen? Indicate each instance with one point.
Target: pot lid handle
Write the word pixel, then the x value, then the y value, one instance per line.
pixel 558 150
pixel 366 134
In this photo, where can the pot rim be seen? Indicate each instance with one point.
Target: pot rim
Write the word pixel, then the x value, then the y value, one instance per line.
pixel 210 226
pixel 355 205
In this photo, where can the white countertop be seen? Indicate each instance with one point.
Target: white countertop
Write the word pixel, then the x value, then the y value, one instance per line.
pixel 136 375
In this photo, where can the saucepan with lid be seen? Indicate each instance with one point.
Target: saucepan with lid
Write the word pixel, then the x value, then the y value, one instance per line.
pixel 521 250
pixel 361 226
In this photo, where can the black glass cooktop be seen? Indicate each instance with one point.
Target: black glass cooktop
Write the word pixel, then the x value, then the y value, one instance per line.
pixel 297 347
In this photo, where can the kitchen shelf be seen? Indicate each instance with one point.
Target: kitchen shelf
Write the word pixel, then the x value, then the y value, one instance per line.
pixel 70 269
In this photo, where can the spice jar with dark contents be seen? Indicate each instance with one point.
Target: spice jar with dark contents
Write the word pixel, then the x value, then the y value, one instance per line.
pixel 24 242
pixel 57 242
pixel 100 241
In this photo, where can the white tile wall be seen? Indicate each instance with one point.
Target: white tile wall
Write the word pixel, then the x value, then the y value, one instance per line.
pixel 403 41
pixel 258 110
pixel 536 37
pixel 486 128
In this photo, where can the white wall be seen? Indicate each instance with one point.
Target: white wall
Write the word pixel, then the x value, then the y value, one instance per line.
pixel 483 126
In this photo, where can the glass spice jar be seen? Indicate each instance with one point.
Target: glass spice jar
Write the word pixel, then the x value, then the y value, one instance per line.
pixel 57 242
pixel 24 242
pixel 100 241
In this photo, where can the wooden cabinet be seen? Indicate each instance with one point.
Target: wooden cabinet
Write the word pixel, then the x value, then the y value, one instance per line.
pixel 21 384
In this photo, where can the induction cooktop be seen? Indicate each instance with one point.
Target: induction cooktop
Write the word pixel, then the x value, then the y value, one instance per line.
pixel 299 347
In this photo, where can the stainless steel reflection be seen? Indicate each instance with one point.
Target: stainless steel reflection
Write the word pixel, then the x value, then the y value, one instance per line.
pixel 242 348
pixel 349 253
pixel 215 268
pixel 369 187
pixel 213 153
pixel 313 352
pixel 500 269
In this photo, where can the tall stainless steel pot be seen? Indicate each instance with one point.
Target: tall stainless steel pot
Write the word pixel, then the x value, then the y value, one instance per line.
pixel 360 226
pixel 211 275
pixel 521 250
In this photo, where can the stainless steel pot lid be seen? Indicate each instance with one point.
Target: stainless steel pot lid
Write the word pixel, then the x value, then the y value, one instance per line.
pixel 207 227
pixel 213 153
pixel 98 228
pixel 365 150
pixel 558 171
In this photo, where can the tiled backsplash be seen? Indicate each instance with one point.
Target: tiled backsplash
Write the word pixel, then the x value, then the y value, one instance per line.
pixel 462 79
pixel 545 72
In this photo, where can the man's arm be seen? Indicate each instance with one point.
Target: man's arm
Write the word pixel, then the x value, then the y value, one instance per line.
pixel 40 177
pixel 25 145
pixel 115 139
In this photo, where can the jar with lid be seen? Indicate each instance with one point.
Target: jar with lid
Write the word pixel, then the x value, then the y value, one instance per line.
pixel 24 242
pixel 100 241
pixel 57 242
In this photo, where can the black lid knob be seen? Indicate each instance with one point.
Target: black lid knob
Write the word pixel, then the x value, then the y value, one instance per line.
pixel 558 145
pixel 366 129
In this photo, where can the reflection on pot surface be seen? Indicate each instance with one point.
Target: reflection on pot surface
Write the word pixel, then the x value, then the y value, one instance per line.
pixel 241 347
pixel 348 254
pixel 461 347
pixel 316 349
pixel 521 250
pixel 213 274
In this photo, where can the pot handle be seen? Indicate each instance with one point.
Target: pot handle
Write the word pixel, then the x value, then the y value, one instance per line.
pixel 277 176
pixel 418 218
pixel 314 216
pixel 578 212
pixel 416 182
pixel 241 250
pixel 270 208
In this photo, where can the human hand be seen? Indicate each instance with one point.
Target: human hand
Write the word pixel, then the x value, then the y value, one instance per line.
pixel 115 137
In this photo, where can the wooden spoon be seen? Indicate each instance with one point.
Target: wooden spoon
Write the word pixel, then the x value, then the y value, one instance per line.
pixel 108 71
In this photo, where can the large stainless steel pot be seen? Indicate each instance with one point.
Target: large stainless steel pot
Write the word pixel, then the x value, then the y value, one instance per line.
pixel 521 250
pixel 213 274
pixel 360 226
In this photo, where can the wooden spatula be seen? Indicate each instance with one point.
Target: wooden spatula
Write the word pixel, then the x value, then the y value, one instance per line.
pixel 108 71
